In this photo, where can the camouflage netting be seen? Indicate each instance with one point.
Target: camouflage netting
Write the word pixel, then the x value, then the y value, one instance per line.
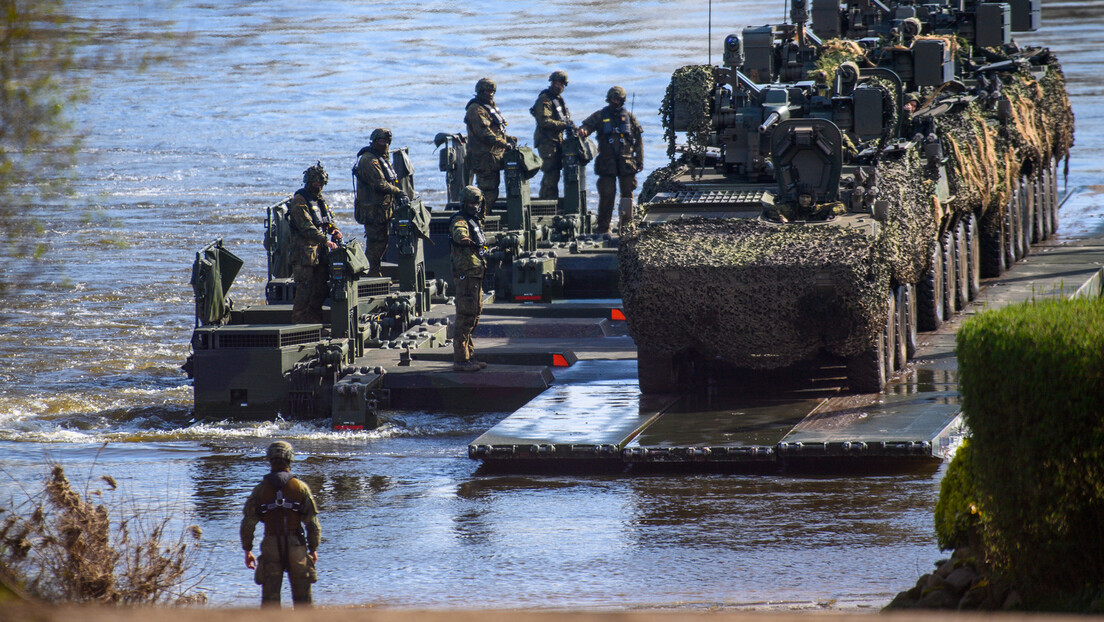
pixel 736 289
pixel 688 100
pixel 763 296
pixel 989 155
pixel 836 52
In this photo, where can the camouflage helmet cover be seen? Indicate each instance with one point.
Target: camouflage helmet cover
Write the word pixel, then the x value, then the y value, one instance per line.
pixel 558 76
pixel 380 132
pixel 471 194
pixel 280 450
pixel 616 92
pixel 485 84
pixel 316 173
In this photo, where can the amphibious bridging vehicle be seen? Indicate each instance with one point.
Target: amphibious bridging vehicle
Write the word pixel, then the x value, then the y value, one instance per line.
pixel 842 187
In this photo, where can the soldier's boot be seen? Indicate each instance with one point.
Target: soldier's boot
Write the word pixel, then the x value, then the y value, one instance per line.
pixel 481 364
pixel 466 366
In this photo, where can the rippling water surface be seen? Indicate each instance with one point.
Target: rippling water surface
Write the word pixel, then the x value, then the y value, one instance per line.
pixel 192 149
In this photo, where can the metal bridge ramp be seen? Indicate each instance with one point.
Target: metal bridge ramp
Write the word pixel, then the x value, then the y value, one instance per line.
pixel 591 412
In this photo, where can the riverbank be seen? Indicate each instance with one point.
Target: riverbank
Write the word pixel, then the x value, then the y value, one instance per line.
pixel 352 614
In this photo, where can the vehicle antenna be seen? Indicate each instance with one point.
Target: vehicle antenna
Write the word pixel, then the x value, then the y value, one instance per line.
pixel 709 41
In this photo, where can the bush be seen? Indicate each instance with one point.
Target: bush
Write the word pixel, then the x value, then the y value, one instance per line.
pixel 1032 383
pixel 59 546
pixel 957 513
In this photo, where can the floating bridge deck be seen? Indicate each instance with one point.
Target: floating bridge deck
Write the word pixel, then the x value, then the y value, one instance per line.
pixel 593 417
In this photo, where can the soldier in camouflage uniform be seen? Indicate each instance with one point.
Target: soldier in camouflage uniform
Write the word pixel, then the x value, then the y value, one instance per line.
pixel 553 118
pixel 313 235
pixel 468 264
pixel 285 505
pixel 487 140
pixel 377 191
pixel 620 153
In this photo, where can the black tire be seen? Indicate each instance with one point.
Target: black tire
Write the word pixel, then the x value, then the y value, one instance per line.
pixel 866 371
pixel 973 258
pixel 929 294
pixel 962 266
pixel 901 327
pixel 950 281
pixel 1025 219
pixel 890 337
pixel 991 238
pixel 1053 198
pixel 908 311
pixel 657 373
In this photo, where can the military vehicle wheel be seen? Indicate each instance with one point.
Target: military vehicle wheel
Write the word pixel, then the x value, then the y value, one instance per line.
pixel 866 371
pixel 992 247
pixel 906 324
pixel 973 258
pixel 890 332
pixel 1045 205
pixel 657 373
pixel 1038 229
pixel 946 244
pixel 962 265
pixel 1027 215
pixel 1053 189
pixel 1011 220
pixel 929 294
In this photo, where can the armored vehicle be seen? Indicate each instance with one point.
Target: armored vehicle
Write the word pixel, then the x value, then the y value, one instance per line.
pixel 842 187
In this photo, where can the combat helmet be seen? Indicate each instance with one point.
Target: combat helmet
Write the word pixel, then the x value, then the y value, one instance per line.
pixel 616 92
pixel 558 76
pixel 315 173
pixel 470 194
pixel 280 450
pixel 485 84
pixel 380 132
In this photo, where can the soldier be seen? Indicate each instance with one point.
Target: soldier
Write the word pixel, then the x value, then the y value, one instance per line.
pixel 285 505
pixel 620 153
pixel 313 235
pixel 377 191
pixel 487 139
pixel 468 264
pixel 553 118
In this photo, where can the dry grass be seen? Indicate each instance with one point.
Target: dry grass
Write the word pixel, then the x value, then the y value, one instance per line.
pixel 61 545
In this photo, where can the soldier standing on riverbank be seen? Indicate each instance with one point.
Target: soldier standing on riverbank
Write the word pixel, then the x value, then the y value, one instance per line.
pixel 487 140
pixel 553 118
pixel 468 265
pixel 620 153
pixel 285 505
pixel 377 191
pixel 313 235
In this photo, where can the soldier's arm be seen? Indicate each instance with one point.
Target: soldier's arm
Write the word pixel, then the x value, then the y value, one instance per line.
pixel 591 123
pixel 374 178
pixel 638 143
pixel 301 220
pixel 250 519
pixel 460 234
pixel 545 119
pixel 479 125
pixel 310 520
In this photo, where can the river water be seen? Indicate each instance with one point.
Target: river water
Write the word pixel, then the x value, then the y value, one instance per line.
pixel 192 148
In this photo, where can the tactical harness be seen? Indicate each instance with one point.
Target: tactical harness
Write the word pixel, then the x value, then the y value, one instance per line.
pixel 320 213
pixel 385 166
pixel 622 130
pixel 559 108
pixel 476 232
pixel 497 120
pixel 285 506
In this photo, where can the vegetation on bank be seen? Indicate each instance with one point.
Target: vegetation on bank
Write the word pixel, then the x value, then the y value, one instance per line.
pixel 1023 501
pixel 62 545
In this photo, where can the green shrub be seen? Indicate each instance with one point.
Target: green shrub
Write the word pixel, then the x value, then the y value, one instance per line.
pixel 1032 383
pixel 957 512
